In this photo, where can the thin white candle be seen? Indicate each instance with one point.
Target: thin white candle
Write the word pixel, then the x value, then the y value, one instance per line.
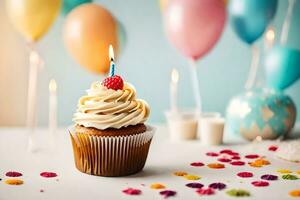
pixel 269 38
pixel 173 90
pixel 52 106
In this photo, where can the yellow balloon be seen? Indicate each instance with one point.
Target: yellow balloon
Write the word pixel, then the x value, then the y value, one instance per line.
pixel 33 18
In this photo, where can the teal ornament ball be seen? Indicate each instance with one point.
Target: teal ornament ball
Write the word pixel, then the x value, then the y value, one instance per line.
pixel 261 112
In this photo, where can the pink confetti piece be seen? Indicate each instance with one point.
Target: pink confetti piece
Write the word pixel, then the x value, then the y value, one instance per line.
pixel 237 163
pixel 273 148
pixel 217 186
pixel 167 193
pixel 48 174
pixel 132 191
pixel 205 191
pixel 224 160
pixel 269 177
pixel 197 164
pixel 212 154
pixel 13 174
pixel 245 174
pixel 235 158
pixel 260 183
pixel 252 156
pixel 194 185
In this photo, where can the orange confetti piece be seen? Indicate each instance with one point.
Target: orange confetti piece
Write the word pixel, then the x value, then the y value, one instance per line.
pixel 254 164
pixel 180 173
pixel 295 193
pixel 216 165
pixel 191 177
pixel 262 161
pixel 157 186
pixel 284 171
pixel 298 172
pixel 14 182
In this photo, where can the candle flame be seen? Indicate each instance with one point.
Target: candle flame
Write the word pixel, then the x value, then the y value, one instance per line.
pixel 111 53
pixel 174 76
pixel 270 34
pixel 52 85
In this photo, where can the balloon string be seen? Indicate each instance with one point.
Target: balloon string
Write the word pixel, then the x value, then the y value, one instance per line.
pixel 253 68
pixel 196 89
pixel 287 22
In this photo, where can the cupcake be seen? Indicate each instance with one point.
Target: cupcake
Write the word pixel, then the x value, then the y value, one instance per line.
pixel 110 137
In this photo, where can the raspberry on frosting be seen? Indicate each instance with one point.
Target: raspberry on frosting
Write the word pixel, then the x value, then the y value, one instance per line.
pixel 113 82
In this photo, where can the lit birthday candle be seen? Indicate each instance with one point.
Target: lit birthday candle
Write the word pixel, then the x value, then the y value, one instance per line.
pixel 173 90
pixel 269 38
pixel 112 59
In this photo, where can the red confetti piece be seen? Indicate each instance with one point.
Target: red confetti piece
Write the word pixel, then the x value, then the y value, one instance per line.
pixel 224 160
pixel 13 174
pixel 205 191
pixel 245 174
pixel 269 177
pixel 167 193
pixel 260 183
pixel 273 148
pixel 217 186
pixel 212 154
pixel 235 158
pixel 252 156
pixel 194 185
pixel 132 191
pixel 48 174
pixel 237 163
pixel 229 152
pixel 197 164
pixel 226 151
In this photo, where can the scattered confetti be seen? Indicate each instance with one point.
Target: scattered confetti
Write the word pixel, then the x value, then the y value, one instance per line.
pixel 212 154
pixel 238 193
pixel 289 177
pixel 218 186
pixel 48 174
pixel 180 173
pixel 205 191
pixel 284 171
pixel 197 164
pixel 194 185
pixel 216 166
pixel 14 182
pixel 132 191
pixel 224 160
pixel 252 156
pixel 269 177
pixel 157 186
pixel 294 193
pixel 237 163
pixel 191 177
pixel 167 193
pixel 235 158
pixel 245 174
pixel 260 183
pixel 13 174
pixel 273 148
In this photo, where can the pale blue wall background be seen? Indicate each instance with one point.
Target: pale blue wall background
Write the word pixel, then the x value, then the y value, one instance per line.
pixel 147 61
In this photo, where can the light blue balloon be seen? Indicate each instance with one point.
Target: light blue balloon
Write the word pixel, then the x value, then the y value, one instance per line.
pixel 282 65
pixel 69 5
pixel 250 18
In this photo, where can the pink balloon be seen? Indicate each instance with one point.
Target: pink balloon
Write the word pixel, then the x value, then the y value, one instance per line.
pixel 194 26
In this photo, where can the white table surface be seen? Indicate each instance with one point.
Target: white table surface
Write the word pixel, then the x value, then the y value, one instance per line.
pixel 164 158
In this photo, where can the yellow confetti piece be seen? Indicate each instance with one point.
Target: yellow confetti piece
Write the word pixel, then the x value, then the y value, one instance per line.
pixel 216 165
pixel 180 173
pixel 295 193
pixel 157 186
pixel 191 177
pixel 14 182
pixel 284 171
pixel 298 172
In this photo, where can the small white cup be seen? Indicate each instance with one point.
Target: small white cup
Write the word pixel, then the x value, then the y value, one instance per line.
pixel 182 125
pixel 206 115
pixel 211 130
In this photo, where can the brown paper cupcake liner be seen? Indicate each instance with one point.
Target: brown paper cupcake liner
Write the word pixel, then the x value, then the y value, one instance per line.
pixel 111 156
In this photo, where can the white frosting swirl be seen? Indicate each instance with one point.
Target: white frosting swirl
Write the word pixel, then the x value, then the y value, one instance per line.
pixel 104 108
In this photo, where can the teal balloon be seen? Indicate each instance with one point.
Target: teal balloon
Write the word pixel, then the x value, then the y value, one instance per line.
pixel 250 18
pixel 69 5
pixel 261 112
pixel 282 66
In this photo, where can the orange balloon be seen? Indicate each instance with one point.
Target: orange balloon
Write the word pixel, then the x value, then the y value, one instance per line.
pixel 88 31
